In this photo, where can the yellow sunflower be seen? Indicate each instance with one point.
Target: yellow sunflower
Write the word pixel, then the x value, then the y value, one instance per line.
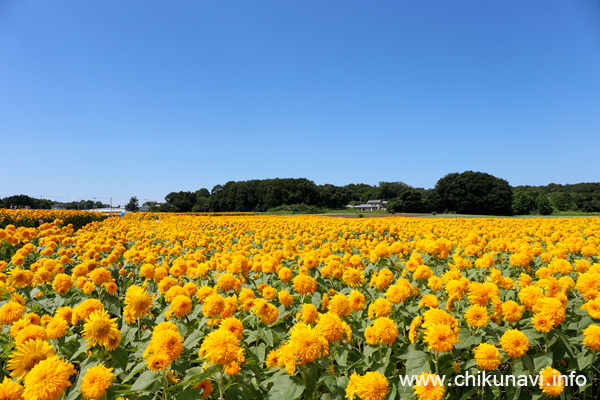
pixel 95 382
pixel 98 328
pixel 27 356
pixel 48 379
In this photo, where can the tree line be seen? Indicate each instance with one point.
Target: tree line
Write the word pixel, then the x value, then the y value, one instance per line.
pixel 24 201
pixel 462 193
pixel 265 194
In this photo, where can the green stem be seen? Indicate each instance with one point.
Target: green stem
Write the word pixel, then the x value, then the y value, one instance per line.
pixel 165 384
pixel 302 372
pixel 257 332
pixel 221 386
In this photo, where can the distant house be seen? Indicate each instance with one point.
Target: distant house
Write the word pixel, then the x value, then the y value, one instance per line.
pixel 371 205
pixel 380 204
pixel 59 206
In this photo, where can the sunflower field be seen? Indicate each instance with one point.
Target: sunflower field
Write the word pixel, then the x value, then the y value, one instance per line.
pixel 176 306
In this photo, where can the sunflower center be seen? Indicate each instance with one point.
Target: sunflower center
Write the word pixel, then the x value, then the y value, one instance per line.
pixel 100 328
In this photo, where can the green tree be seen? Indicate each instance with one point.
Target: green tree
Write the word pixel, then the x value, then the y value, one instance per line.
pixel 181 201
pixel 474 193
pixel 543 205
pixel 23 200
pixel 133 204
pixel 564 201
pixel 202 205
pixel 524 202
pixel 410 201
pixel 391 190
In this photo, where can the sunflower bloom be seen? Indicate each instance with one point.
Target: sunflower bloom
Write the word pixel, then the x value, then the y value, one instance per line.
pixel 413 330
pixel 98 328
pixel 234 326
pixel 551 382
pixel 220 347
pixel 181 306
pixel 487 356
pixel 512 311
pixel 138 301
pixel 370 386
pixel 429 387
pixel 48 379
pixel 27 356
pixel 30 332
pixel 514 343
pixel 542 323
pixel 11 312
pixel 385 330
pixel 168 343
pixel 330 326
pixel 306 344
pixel 440 338
pixel 95 382
pixel 10 390
pixel 591 337
pixel 477 316
pixel 304 284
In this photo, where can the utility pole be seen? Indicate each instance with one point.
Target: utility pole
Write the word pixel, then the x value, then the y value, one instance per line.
pixel 94 206
pixel 111 207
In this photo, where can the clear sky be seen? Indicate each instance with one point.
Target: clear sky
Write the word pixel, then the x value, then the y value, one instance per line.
pixel 119 98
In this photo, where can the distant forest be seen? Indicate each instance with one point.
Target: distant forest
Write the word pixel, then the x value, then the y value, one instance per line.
pixel 463 193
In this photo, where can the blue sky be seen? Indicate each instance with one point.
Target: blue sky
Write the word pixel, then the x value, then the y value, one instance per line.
pixel 141 98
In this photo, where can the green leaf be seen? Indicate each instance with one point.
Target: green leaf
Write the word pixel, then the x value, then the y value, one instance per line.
pixel 566 342
pixel 112 305
pixel 584 360
pixel 342 357
pixel 316 300
pixel 541 361
pixel 513 392
pixel 393 392
pixel 80 350
pixel 261 352
pixel 119 357
pixel 312 377
pixel 417 362
pixel 194 338
pixel 194 314
pixel 285 388
pixel 145 382
pixel 267 336
pixel 198 375
pixel 528 364
pixel 467 340
pixel 128 332
pixel 469 393
pixel 140 366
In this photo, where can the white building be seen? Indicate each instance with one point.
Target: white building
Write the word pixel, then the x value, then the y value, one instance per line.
pixel 371 205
